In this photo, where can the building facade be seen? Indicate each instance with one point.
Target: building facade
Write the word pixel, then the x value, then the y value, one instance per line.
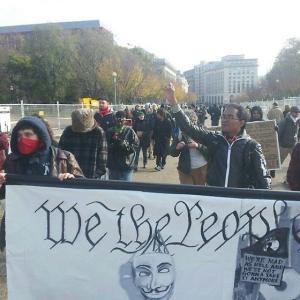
pixel 219 82
pixel 12 36
pixel 165 69
pixel 190 78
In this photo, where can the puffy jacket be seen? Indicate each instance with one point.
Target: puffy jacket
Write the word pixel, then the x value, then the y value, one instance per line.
pixel 288 132
pixel 240 164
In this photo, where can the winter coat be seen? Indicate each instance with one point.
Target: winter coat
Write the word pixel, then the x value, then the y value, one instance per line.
pixel 184 162
pixel 61 162
pixel 240 164
pixel 288 132
pixel 49 160
pixel 162 135
pixel 145 127
pixel 293 172
pixel 89 149
pixel 122 149
pixel 275 114
pixel 107 121
pixel 215 113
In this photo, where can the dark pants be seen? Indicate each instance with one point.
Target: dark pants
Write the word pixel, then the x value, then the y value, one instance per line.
pixel 161 160
pixel 125 175
pixel 215 122
pixel 145 158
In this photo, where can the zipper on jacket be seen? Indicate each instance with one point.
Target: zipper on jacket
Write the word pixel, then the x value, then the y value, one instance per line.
pixel 228 164
pixel 229 159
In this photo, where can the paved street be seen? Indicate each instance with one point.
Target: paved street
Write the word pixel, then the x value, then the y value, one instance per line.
pixel 170 175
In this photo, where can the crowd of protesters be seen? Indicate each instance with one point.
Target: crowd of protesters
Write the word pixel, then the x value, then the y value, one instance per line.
pixel 108 144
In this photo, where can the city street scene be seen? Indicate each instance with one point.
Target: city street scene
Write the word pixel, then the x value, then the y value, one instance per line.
pixel 150 150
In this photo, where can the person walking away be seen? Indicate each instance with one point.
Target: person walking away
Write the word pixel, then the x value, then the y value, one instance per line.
pixel 105 116
pixel 192 164
pixel 152 117
pixel 286 111
pixel 288 133
pixel 236 160
pixel 201 114
pixel 215 114
pixel 87 141
pixel 143 131
pixel 293 172
pixel 122 144
pixel 275 113
pixel 162 136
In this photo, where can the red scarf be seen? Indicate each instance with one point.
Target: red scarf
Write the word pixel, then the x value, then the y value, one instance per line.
pixel 104 112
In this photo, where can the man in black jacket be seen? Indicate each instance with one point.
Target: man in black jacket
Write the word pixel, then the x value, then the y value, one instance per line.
pixel 143 130
pixel 288 133
pixel 236 160
pixel 105 116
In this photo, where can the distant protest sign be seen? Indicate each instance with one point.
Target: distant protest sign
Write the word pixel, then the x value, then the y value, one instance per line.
pixel 264 133
pixel 87 239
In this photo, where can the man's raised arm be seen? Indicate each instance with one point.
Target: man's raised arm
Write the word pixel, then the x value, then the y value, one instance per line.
pixel 198 134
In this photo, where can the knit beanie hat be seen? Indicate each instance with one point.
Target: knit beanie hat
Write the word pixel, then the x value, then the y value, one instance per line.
pixel 83 120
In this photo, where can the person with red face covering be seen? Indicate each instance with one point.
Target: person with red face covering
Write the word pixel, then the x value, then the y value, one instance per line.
pixel 32 153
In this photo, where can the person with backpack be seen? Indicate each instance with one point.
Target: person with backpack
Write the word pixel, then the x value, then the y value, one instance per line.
pixel 122 145
pixel 235 159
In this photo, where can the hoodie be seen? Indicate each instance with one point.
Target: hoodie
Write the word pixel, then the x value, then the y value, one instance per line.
pixel 37 163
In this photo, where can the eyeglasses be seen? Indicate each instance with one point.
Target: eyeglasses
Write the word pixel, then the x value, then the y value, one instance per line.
pixel 229 117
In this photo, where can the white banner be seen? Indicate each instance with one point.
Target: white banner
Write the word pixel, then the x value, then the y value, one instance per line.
pixel 72 241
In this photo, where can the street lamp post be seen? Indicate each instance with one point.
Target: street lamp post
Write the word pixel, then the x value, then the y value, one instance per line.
pixel 11 89
pixel 114 75
pixel 277 88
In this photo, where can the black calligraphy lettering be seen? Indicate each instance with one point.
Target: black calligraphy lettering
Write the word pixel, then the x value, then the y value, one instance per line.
pixel 224 226
pixel 204 229
pixel 88 230
pixel 138 226
pixel 276 214
pixel 63 214
pixel 120 214
pixel 188 211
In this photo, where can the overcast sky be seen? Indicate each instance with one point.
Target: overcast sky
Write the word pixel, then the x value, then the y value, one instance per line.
pixel 184 32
